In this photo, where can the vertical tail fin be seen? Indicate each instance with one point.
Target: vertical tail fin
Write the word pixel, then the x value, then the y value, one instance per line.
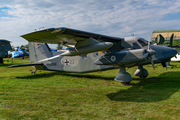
pixel 160 39
pixel 171 40
pixel 39 51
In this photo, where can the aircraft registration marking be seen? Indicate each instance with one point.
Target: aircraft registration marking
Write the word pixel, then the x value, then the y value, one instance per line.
pixel 68 62
pixel 52 64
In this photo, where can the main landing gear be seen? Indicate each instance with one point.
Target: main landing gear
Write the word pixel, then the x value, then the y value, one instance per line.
pixel 1 60
pixel 123 77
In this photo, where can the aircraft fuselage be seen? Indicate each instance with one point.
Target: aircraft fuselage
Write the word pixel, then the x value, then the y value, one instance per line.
pixel 131 55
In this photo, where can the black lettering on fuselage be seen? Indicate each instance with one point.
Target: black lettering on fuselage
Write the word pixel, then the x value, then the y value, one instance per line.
pixel 52 64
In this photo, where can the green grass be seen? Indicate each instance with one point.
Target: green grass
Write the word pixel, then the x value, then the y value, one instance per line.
pixel 58 95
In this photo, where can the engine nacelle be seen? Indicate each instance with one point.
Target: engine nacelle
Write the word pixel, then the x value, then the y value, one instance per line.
pixel 122 57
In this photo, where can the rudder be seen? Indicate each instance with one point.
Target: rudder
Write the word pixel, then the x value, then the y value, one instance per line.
pixel 39 51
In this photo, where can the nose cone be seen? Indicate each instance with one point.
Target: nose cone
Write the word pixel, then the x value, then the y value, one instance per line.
pixel 171 52
pixel 163 53
pixel 174 52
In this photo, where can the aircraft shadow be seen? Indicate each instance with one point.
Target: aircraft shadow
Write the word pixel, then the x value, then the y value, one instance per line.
pixel 150 89
pixel 4 65
pixel 78 75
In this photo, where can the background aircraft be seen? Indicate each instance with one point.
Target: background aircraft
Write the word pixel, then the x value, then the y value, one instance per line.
pixel 4 48
pixel 19 53
pixel 160 40
pixel 93 52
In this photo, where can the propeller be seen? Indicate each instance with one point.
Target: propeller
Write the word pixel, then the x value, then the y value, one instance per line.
pixel 150 54
pixel 152 62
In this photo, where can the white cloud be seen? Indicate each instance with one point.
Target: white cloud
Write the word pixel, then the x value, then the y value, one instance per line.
pixel 109 17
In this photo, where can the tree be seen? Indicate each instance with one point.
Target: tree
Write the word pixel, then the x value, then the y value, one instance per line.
pixel 25 47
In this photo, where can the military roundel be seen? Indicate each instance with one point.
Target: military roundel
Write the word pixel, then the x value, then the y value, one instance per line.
pixel 113 58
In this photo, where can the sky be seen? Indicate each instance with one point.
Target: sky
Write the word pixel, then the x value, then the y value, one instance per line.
pixel 117 18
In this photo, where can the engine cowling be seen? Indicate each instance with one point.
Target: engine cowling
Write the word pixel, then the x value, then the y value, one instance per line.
pixel 123 57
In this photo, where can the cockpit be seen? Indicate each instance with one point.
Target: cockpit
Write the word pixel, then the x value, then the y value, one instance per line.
pixel 143 42
pixel 134 42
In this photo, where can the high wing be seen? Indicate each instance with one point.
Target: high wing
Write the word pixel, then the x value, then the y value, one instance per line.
pixel 117 52
pixel 64 35
pixel 84 42
pixel 5 45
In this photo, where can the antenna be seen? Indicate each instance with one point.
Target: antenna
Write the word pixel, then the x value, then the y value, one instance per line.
pixel 150 57
pixel 148 42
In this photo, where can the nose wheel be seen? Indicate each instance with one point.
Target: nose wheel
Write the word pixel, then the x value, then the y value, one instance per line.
pixel 141 72
pixel 33 72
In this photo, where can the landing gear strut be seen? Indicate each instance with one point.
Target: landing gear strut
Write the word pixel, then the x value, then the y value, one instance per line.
pixel 33 72
pixel 1 60
pixel 123 77
pixel 141 72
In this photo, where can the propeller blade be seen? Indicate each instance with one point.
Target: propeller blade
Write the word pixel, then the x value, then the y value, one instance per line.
pixel 152 62
pixel 146 55
pixel 164 64
pixel 148 43
pixel 149 54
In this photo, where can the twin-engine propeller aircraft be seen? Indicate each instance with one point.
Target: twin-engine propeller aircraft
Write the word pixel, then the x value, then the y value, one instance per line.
pixel 160 40
pixel 93 52
pixel 4 48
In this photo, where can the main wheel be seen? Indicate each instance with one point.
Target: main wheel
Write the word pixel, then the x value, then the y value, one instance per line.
pixel 1 60
pixel 125 83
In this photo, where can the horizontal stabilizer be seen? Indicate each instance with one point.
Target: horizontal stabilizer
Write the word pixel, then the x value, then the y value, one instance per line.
pixel 176 46
pixel 23 65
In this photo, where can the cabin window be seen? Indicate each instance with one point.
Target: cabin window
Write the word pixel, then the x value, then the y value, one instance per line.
pixel 143 42
pixel 55 47
pixel 136 46
pixel 96 54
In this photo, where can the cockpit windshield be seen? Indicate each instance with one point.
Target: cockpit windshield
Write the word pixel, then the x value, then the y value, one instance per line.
pixel 143 42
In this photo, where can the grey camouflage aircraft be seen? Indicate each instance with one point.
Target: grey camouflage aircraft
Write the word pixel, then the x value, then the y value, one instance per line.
pixel 4 48
pixel 93 52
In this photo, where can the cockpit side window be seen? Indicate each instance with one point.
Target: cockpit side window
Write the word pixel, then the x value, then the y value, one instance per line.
pixel 143 42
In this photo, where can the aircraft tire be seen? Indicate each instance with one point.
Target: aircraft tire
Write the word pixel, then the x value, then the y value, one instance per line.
pixel 143 76
pixel 126 83
pixel 1 60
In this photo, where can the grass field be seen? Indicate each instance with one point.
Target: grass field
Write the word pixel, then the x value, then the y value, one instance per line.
pixel 58 95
